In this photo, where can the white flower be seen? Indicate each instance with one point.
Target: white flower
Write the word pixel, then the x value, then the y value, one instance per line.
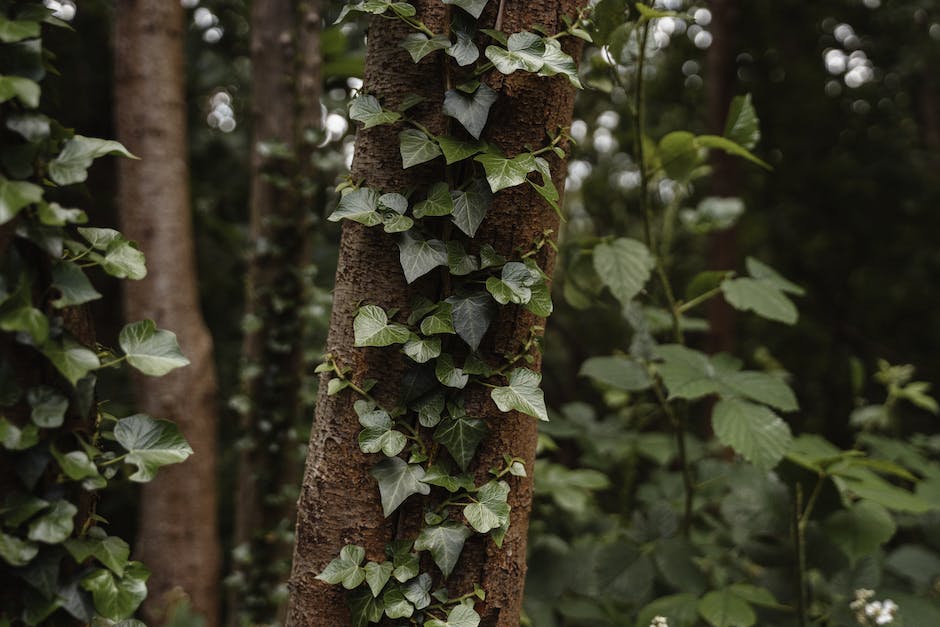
pixel 659 621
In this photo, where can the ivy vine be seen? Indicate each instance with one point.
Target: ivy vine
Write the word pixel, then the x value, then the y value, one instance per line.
pixel 60 448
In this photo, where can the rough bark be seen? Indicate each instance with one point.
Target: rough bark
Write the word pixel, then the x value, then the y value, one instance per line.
pixel 285 107
pixel 726 180
pixel 178 519
pixel 339 501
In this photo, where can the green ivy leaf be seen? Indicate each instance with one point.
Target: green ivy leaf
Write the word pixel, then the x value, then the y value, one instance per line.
pixel 18 508
pixel 76 465
pixel 437 475
pixel 514 283
pixel 359 205
pixel 861 529
pixel 624 266
pixel 460 616
pixel 371 328
pixel 620 373
pixel 472 314
pixel 16 552
pixel 12 31
pixel 473 7
pixel 377 575
pixel 522 394
pixel 470 207
pixel 417 591
pixel 557 61
pixel 150 444
pixel 16 195
pixel 422 350
pixel 33 127
pixel 366 109
pixel 393 202
pixel 150 350
pixel 753 431
pixel 111 551
pixel 18 314
pixel 440 321
pixel 71 165
pixel 547 189
pixel 121 259
pixel 460 437
pixel 438 203
pixel 457 149
pixel 70 358
pixel 48 406
pixel 117 598
pixel 407 564
pixel 743 126
pixel 15 439
pixel 503 172
pixel 416 148
pixel 490 510
pixel 541 301
pixel 25 90
pixel 448 374
pixel 377 435
pixel 419 256
pixel 55 525
pixel 723 608
pixel 345 569
pixel 397 481
pixel 73 286
pixel 420 45
pixel 524 51
pixel 464 51
pixel 54 214
pixel 471 110
pixel 394 223
pixel 396 605
pixel 364 608
pixel 458 261
pixel 429 408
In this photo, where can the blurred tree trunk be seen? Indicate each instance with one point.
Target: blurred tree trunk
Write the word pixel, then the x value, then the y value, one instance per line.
pixel 720 80
pixel 285 60
pixel 177 536
pixel 339 501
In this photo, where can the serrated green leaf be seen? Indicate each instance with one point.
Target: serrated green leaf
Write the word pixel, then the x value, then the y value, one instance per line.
pixel 420 45
pixel 470 207
pixel 763 272
pixel 345 569
pixel 419 256
pixel 860 529
pixel 25 90
pixel 490 510
pixel 150 444
pixel 473 7
pixel 503 172
pixel 438 203
pixel 760 296
pixel 742 125
pixel 422 350
pixel 366 109
pixel 397 481
pixel 359 205
pixel 753 431
pixel 70 358
pixel 416 148
pixel 48 406
pixel 73 286
pixel 15 196
pixel 723 608
pixel 471 110
pixel 71 165
pixel 371 328
pixel 377 575
pixel 55 524
pixel 457 149
pixel 461 437
pixel 522 394
pixel 624 266
pixel 150 350
pixel 621 373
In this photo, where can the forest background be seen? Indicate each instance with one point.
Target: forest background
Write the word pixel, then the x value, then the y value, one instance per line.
pixel 848 98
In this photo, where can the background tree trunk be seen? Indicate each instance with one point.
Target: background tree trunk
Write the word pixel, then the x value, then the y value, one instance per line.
pixel 285 108
pixel 339 501
pixel 177 534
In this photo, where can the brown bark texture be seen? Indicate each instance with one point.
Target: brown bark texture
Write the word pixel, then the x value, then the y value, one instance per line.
pixel 177 535
pixel 339 501
pixel 285 107
pixel 720 83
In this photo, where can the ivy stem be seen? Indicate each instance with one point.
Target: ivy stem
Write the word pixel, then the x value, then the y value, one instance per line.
pixel 687 483
pixel 499 15
pixel 113 362
pixel 799 541
pixel 117 459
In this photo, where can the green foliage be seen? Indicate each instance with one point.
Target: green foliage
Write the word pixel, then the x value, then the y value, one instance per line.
pixel 57 562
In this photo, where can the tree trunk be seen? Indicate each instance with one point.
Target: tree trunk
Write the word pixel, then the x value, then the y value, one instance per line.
pixel 726 180
pixel 339 501
pixel 178 518
pixel 286 106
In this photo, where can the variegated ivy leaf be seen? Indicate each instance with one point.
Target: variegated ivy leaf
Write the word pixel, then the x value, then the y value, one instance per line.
pixel 522 394
pixel 366 109
pixel 372 328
